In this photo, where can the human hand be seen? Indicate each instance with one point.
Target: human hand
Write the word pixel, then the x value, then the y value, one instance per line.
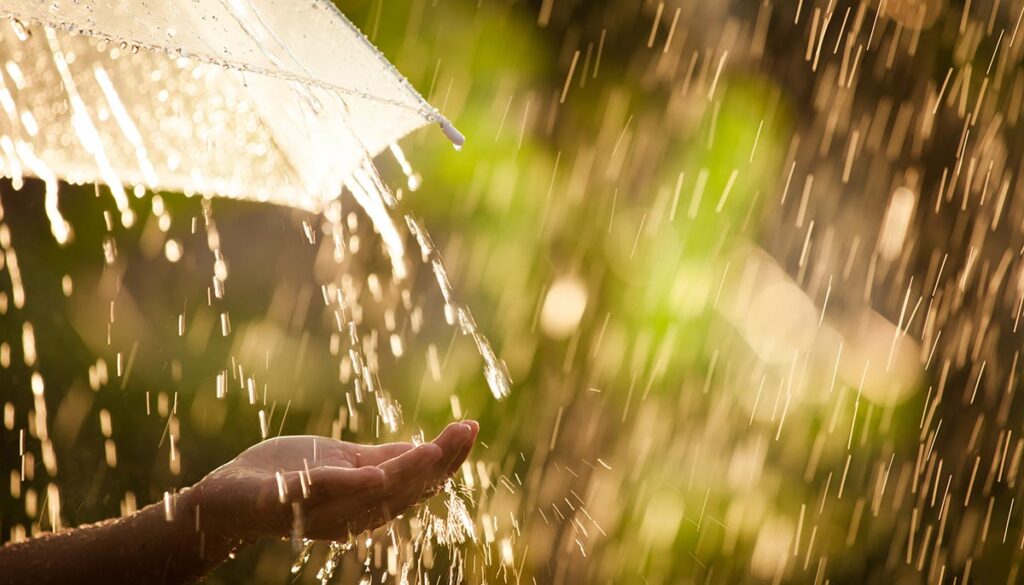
pixel 321 488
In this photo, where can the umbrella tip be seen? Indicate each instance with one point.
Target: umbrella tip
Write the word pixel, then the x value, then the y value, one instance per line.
pixel 452 133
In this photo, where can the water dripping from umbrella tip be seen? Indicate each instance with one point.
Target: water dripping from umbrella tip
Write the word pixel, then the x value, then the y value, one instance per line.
pixel 452 133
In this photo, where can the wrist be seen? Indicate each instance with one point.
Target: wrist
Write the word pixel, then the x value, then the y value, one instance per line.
pixel 199 534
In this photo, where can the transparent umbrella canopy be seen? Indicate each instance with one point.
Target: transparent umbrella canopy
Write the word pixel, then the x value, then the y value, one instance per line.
pixel 277 101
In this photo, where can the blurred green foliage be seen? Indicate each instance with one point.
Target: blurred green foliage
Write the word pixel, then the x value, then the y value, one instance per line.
pixel 597 186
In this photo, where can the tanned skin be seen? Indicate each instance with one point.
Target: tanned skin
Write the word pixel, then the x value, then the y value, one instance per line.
pixel 286 487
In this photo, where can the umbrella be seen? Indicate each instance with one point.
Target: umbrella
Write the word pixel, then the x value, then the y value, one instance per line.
pixel 269 100
pixel 277 101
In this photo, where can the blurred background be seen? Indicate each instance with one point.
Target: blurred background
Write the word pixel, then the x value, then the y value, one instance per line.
pixel 754 268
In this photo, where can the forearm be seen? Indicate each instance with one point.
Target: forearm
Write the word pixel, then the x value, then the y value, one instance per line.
pixel 146 547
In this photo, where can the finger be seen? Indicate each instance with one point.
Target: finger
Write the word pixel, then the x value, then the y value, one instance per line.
pixel 410 465
pixel 473 426
pixel 327 482
pixel 401 499
pixel 452 439
pixel 456 463
pixel 291 453
pixel 456 440
pixel 406 485
pixel 340 519
pixel 377 454
pixel 410 476
pixel 334 481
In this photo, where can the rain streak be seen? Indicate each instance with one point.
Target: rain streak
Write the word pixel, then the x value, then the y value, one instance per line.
pixel 746 281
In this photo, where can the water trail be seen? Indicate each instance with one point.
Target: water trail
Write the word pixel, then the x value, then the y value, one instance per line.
pixel 335 552
pixel 86 131
pixel 303 557
pixel 60 228
pixel 127 125
pixel 373 204
pixel 495 370
pixel 413 179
